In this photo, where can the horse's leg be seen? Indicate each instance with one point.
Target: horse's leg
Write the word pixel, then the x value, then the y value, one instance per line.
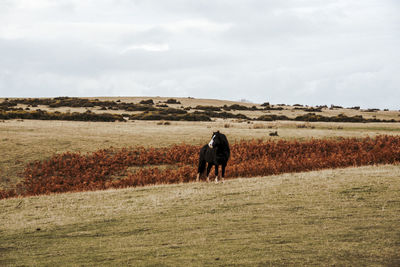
pixel 200 172
pixel 209 166
pixel 216 173
pixel 223 172
pixel 201 168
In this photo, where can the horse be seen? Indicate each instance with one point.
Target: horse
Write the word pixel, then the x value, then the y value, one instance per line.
pixel 215 153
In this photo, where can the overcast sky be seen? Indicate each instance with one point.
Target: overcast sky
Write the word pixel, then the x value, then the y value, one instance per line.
pixel 312 52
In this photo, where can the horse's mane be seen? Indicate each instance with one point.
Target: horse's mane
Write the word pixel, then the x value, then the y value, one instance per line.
pixel 224 141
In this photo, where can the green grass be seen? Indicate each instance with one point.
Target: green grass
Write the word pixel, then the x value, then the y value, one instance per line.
pixel 332 217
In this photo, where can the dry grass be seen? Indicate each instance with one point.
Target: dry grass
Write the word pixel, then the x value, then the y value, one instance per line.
pixel 334 217
pixel 24 141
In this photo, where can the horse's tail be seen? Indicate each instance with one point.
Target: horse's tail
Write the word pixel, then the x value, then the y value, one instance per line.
pixel 202 160
pixel 202 166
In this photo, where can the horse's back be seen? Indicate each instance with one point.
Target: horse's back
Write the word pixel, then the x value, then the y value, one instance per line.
pixel 203 150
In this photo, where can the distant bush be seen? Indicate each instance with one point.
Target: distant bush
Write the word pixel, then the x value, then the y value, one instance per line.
pixel 312 117
pixel 223 115
pixel 136 107
pixel 82 102
pixel 371 110
pixel 6 105
pixel 75 116
pixel 335 107
pixel 309 109
pixel 273 108
pixel 172 101
pixel 63 102
pixel 272 117
pixel 147 102
pixel 174 116
pixel 168 111
pixel 226 108
pixel 210 108
pixel 313 110
pixel 238 107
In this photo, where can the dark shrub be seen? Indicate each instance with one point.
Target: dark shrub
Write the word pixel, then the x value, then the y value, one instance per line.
pixel 147 102
pixel 339 118
pixel 313 109
pixel 210 108
pixel 169 116
pixel 172 101
pixel 75 116
pixel 322 106
pixel 336 107
pixel 226 108
pixel 238 107
pixel 371 110
pixel 273 108
pixel 272 117
pixel 168 111
pixel 136 107
pixel 223 115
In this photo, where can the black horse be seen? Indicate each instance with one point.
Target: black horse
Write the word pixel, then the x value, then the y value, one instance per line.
pixel 216 153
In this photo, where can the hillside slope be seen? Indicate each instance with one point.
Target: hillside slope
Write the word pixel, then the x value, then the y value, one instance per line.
pixel 334 217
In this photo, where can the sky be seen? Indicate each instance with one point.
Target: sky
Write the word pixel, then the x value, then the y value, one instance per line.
pixel 310 52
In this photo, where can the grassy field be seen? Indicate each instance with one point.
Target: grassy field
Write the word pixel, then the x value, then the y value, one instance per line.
pixel 22 142
pixel 334 217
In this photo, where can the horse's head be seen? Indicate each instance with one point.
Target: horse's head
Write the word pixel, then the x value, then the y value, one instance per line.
pixel 216 139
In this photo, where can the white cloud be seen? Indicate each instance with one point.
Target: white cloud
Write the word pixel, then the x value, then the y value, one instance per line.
pixel 199 24
pixel 309 52
pixel 147 47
